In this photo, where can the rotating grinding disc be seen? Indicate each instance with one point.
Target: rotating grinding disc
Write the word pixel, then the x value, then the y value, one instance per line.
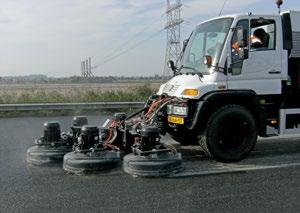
pixel 42 155
pixel 152 165
pixel 81 163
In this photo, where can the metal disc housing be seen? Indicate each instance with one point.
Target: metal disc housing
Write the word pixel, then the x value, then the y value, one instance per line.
pixel 82 163
pixel 46 155
pixel 155 165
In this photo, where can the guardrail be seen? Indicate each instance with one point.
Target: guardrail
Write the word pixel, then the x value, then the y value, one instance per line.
pixel 61 106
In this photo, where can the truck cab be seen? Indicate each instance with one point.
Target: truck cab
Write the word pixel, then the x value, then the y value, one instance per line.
pixel 244 68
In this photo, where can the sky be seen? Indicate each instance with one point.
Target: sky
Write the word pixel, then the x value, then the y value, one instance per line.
pixel 52 37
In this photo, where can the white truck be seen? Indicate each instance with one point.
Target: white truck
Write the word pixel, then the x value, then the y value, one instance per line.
pixel 237 79
pixel 230 90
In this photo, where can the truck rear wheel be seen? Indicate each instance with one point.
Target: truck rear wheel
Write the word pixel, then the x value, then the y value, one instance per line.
pixel 230 135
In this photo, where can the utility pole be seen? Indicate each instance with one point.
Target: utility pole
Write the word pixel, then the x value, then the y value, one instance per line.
pixel 90 68
pixel 82 68
pixel 172 27
pixel 86 68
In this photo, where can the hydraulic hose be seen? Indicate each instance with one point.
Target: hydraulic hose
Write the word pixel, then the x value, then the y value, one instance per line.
pixel 136 113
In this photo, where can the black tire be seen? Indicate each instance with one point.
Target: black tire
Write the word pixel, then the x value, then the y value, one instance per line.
pixel 231 134
pixel 184 137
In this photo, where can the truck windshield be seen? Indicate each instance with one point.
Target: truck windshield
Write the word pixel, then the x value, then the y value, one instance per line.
pixel 207 39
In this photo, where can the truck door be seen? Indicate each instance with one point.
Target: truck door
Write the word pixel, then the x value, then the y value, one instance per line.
pixel 261 70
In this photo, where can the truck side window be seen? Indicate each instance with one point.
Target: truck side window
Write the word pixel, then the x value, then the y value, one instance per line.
pixel 262 35
pixel 236 62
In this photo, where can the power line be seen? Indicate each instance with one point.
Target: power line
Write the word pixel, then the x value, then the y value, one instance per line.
pixel 121 50
pixel 128 41
pixel 128 49
pixel 117 52
pixel 222 7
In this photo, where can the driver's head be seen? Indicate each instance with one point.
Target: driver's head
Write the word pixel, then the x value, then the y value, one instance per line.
pixel 262 35
pixel 259 32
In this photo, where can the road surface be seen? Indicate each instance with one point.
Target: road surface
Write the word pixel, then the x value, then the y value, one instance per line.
pixel 49 189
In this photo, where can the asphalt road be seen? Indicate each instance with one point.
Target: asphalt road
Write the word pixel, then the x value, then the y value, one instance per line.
pixel 50 189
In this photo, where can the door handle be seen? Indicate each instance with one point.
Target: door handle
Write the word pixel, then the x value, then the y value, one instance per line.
pixel 274 72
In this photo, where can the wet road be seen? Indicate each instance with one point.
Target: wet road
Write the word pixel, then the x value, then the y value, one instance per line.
pixel 50 189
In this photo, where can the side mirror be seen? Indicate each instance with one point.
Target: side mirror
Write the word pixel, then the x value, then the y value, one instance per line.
pixel 172 66
pixel 207 60
pixel 243 53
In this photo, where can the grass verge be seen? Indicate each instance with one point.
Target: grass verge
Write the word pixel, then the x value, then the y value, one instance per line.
pixel 40 95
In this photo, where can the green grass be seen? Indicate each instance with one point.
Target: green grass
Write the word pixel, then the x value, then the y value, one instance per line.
pixel 77 95
pixel 41 95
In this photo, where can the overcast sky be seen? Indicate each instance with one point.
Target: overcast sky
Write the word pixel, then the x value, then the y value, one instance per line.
pixel 52 37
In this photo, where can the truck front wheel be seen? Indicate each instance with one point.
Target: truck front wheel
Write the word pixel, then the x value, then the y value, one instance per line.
pixel 230 135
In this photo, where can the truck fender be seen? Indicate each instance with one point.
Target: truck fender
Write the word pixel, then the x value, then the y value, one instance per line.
pixel 216 99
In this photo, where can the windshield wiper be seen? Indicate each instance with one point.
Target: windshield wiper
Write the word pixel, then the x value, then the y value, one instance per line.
pixel 191 68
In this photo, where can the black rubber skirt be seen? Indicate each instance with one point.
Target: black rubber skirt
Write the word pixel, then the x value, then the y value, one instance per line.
pixel 43 155
pixel 82 163
pixel 152 166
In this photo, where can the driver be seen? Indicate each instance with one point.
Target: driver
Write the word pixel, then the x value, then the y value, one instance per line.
pixel 256 40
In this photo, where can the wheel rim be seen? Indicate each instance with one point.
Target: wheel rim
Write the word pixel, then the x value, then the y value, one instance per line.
pixel 233 132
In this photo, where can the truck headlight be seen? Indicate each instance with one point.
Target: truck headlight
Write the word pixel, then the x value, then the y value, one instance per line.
pixel 177 110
